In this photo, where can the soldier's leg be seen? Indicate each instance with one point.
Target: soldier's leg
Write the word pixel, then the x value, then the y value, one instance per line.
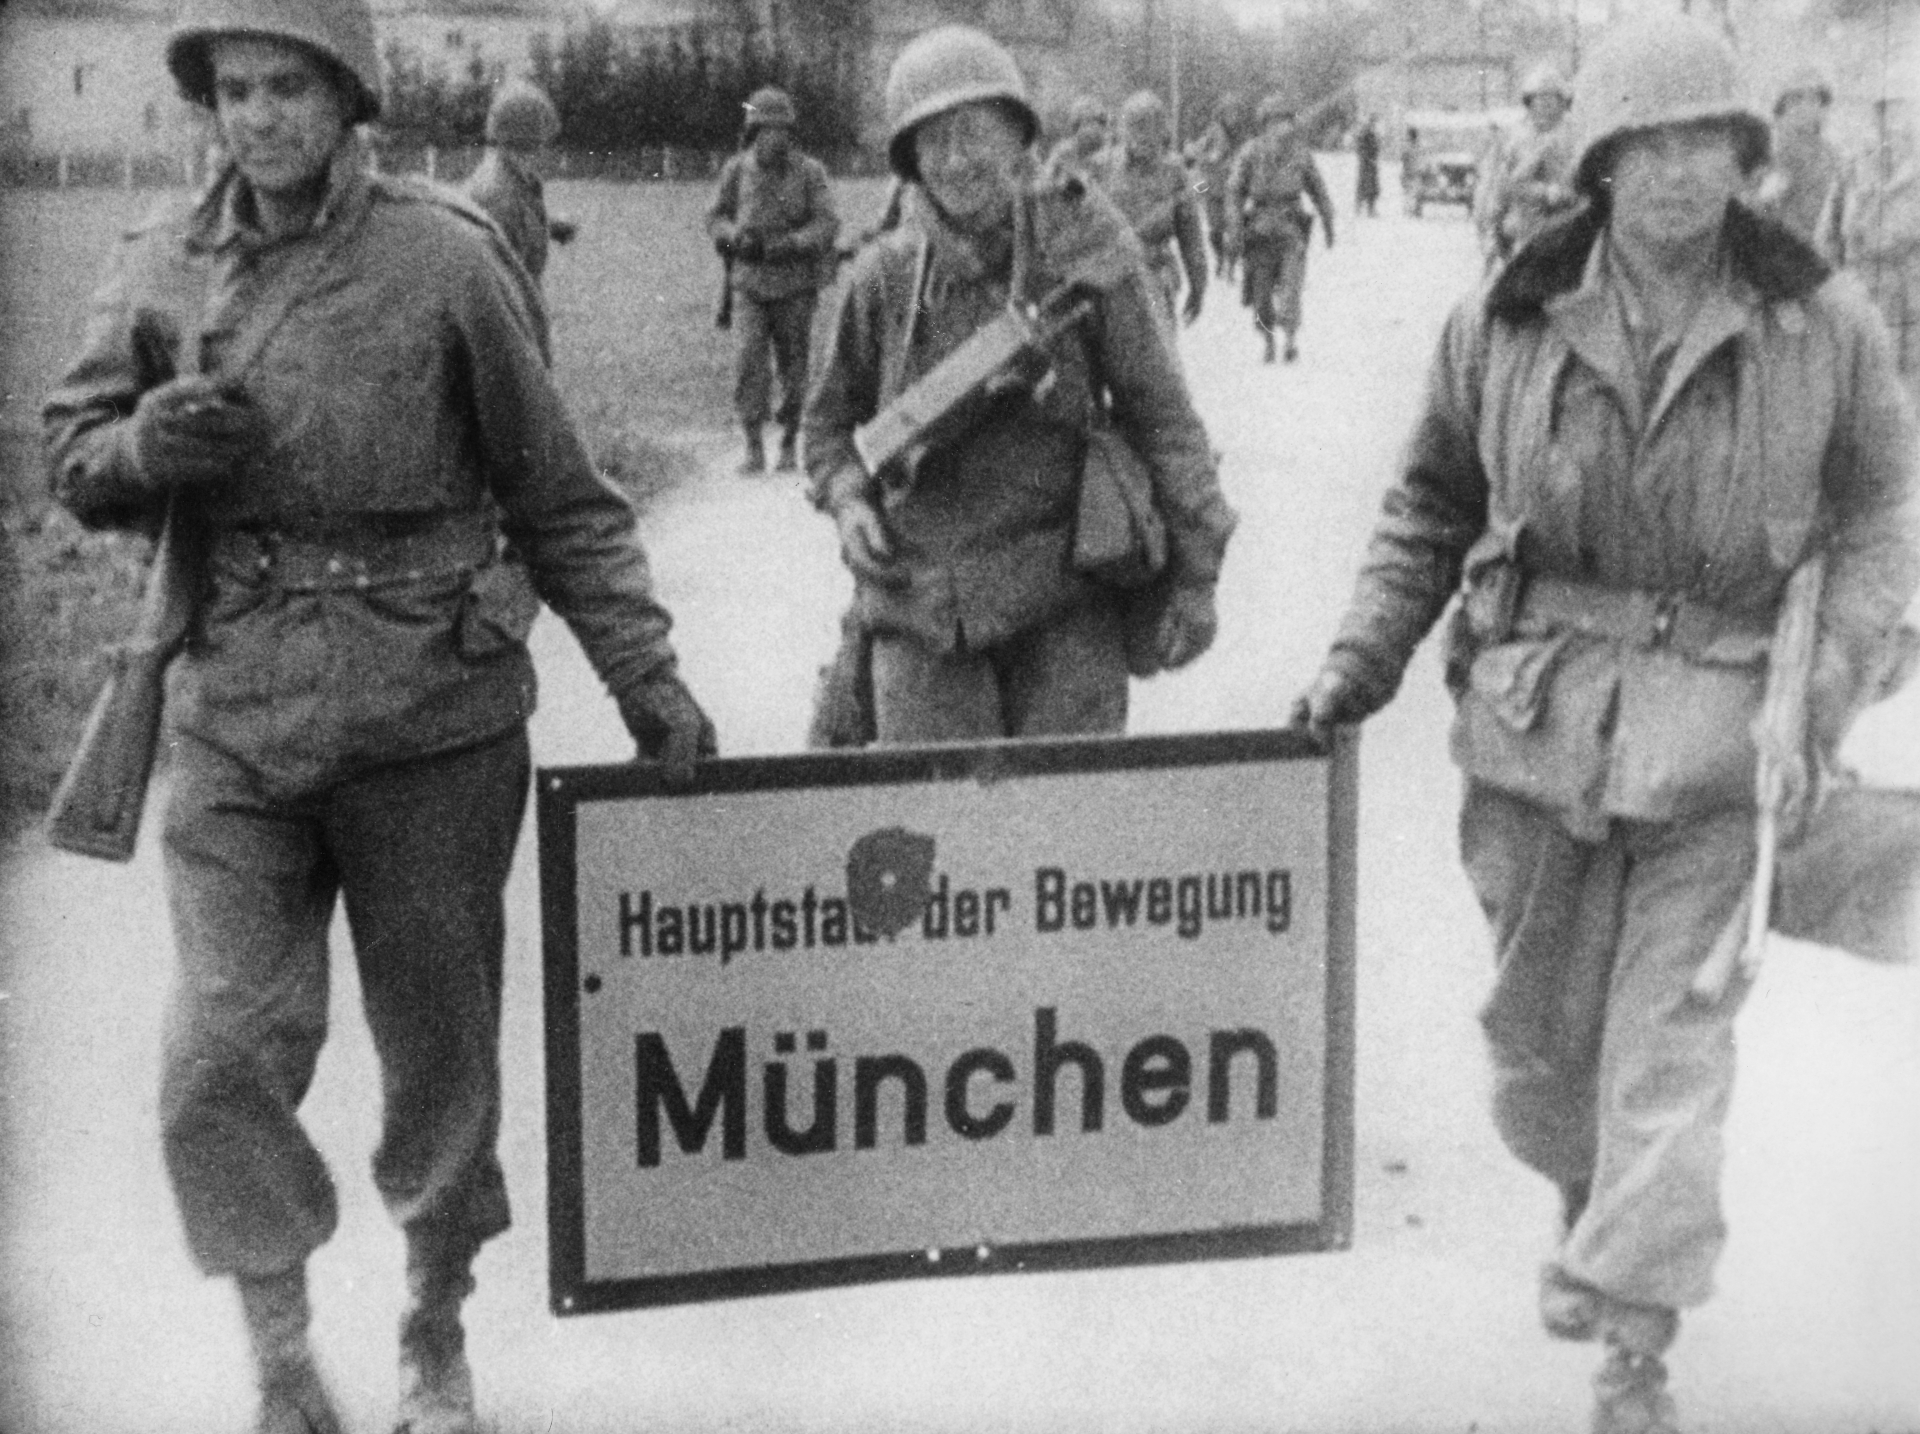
pixel 1068 677
pixel 920 695
pixel 1289 284
pixel 1262 260
pixel 753 374
pixel 1653 1229
pixel 251 891
pixel 792 341
pixel 424 850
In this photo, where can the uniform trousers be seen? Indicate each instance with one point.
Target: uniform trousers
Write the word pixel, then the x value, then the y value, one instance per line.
pixel 1606 1077
pixel 1275 277
pixel 774 334
pixel 418 852
pixel 1065 677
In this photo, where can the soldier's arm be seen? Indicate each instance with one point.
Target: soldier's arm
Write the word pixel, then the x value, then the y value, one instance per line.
pixel 1152 408
pixel 1236 199
pixel 723 213
pixel 1317 190
pixel 573 527
pixel 1868 491
pixel 123 354
pixel 1192 242
pixel 822 226
pixel 1428 520
pixel 846 390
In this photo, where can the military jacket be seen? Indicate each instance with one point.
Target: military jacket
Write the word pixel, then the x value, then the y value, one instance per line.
pixel 1802 178
pixel 794 204
pixel 1530 184
pixel 1541 458
pixel 984 533
pixel 1875 232
pixel 394 350
pixel 1158 203
pixel 1270 176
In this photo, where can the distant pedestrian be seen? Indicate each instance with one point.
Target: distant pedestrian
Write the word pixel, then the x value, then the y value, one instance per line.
pixel 1528 182
pixel 1212 155
pixel 1658 419
pixel 1806 167
pixel 509 182
pixel 772 220
pixel 1874 228
pixel 1087 137
pixel 970 617
pixel 336 381
pixel 1150 187
pixel 1268 225
pixel 1366 184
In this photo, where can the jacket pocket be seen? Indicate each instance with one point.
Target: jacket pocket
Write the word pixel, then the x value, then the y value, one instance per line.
pixel 1684 743
pixel 1533 719
pixel 496 610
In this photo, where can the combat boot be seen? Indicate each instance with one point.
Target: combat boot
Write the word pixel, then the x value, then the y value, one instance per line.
pixel 1266 355
pixel 756 457
pixel 293 1398
pixel 789 450
pixel 1292 350
pixel 436 1385
pixel 1630 1391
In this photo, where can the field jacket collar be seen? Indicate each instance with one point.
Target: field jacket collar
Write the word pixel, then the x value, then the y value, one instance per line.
pixel 224 217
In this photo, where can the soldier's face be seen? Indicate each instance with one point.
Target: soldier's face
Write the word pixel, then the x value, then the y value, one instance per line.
pixel 772 143
pixel 1671 185
pixel 282 113
pixel 1546 110
pixel 970 160
pixel 1802 113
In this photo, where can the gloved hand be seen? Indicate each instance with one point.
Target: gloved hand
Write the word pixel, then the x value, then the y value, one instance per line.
pixel 192 430
pixel 668 726
pixel 561 231
pixel 1334 700
pixel 864 545
pixel 1191 309
pixel 749 247
pixel 1187 625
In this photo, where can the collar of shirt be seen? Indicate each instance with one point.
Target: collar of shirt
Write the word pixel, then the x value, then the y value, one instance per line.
pixel 224 219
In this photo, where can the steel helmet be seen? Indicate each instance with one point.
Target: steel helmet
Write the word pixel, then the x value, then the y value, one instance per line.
pixel 522 117
pixel 1275 106
pixel 769 105
pixel 1546 79
pixel 1143 107
pixel 1230 110
pixel 339 31
pixel 941 70
pixel 1651 73
pixel 1807 80
pixel 1083 109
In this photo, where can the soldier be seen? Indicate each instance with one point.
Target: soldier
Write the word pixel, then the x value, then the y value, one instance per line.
pixel 335 376
pixel 1806 167
pixel 1143 178
pixel 1212 155
pixel 1529 182
pixel 521 125
pixel 1268 226
pixel 772 221
pixel 1874 226
pixel 1366 182
pixel 1087 137
pixel 1633 435
pixel 976 621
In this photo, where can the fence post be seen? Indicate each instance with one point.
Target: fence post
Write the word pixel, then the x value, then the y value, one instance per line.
pixel 667 166
pixel 433 162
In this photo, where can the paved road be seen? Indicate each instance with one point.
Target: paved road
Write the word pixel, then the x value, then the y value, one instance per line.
pixel 1426 1325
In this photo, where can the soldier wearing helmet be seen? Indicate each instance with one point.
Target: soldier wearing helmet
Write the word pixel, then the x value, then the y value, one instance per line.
pixel 1086 139
pixel 1212 157
pixel 1805 165
pixel 1141 176
pixel 509 182
pixel 1529 178
pixel 772 220
pixel 1634 434
pixel 1268 224
pixel 971 619
pixel 1873 221
pixel 337 382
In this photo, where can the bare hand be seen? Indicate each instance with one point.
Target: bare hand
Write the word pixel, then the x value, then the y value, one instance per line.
pixel 1191 309
pixel 669 727
pixel 193 430
pixel 1333 700
pixel 864 544
pixel 1187 627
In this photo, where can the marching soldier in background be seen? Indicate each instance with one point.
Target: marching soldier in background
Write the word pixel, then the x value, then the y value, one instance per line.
pixel 1530 181
pixel 508 182
pixel 1212 156
pixel 1806 166
pixel 1268 225
pixel 1636 439
pixel 1366 180
pixel 976 622
pixel 772 220
pixel 1873 226
pixel 337 377
pixel 1086 139
pixel 1142 177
